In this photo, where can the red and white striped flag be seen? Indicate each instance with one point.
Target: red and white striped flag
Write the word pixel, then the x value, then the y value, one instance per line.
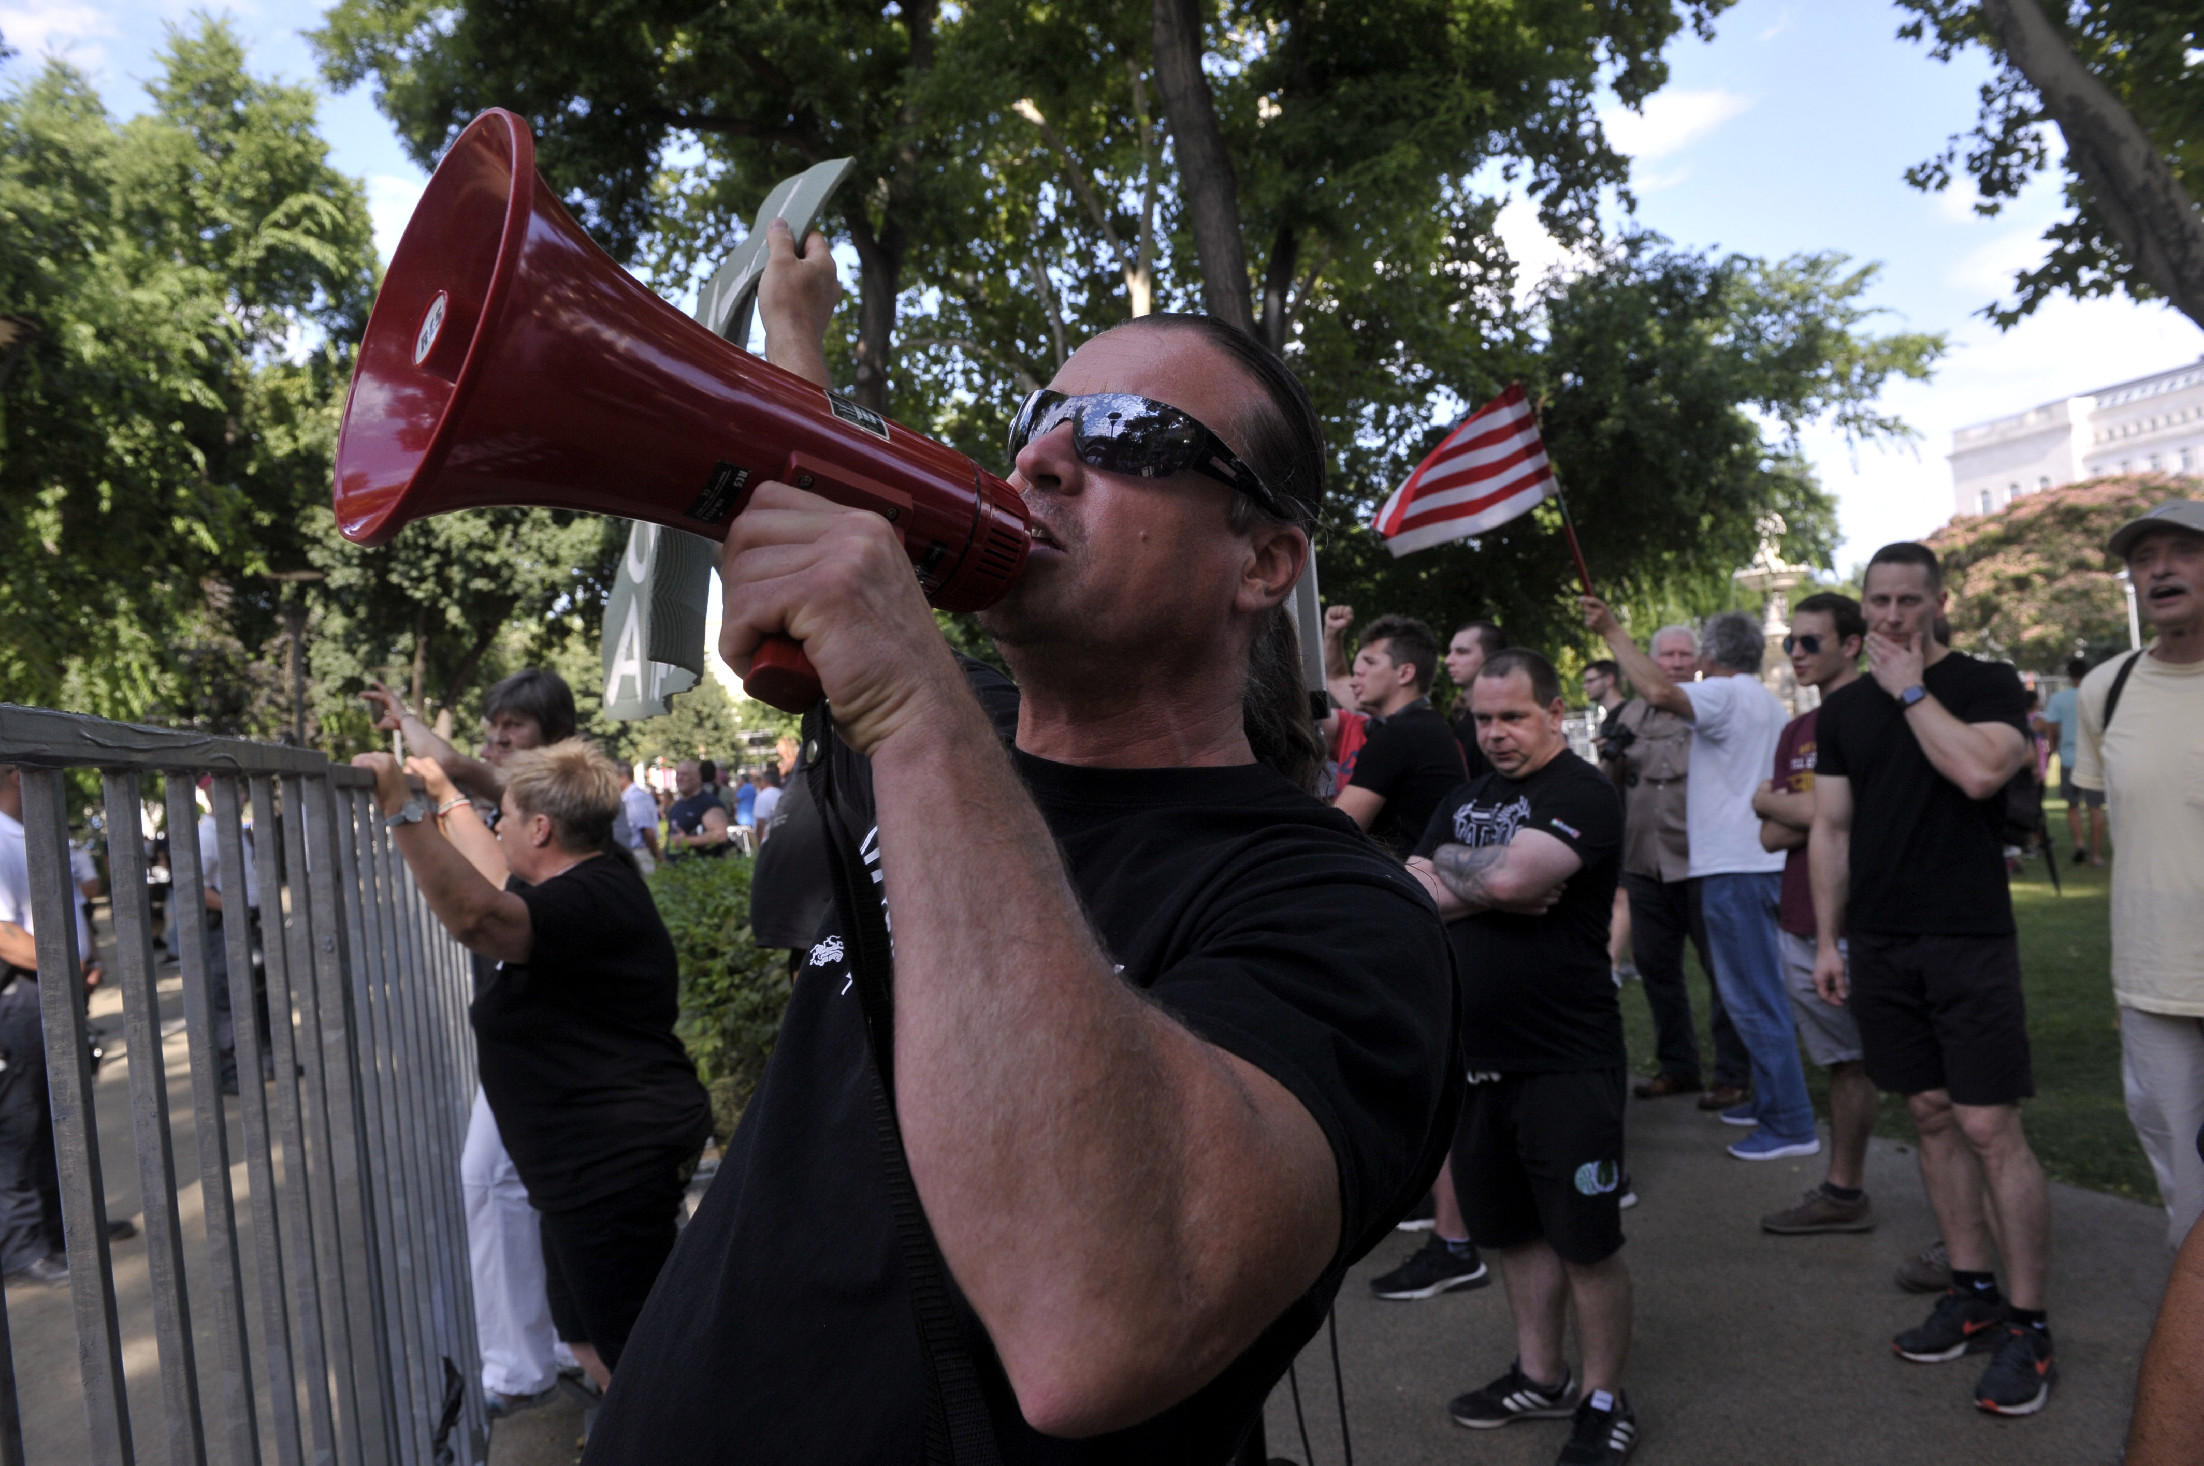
pixel 1491 468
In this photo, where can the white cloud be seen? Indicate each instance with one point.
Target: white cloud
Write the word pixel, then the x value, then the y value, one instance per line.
pixel 1535 252
pixel 58 28
pixel 390 202
pixel 1670 122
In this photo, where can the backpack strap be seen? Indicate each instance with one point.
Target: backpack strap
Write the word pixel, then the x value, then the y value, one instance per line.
pixel 2112 693
pixel 958 1429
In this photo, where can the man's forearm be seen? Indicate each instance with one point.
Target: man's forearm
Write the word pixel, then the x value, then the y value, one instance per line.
pixel 1125 1206
pixel 18 948
pixel 1785 807
pixel 1979 758
pixel 2168 1428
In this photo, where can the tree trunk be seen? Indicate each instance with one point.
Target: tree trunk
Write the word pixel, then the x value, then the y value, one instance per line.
pixel 1285 258
pixel 420 657
pixel 2127 176
pixel 879 280
pixel 1206 179
pixel 485 634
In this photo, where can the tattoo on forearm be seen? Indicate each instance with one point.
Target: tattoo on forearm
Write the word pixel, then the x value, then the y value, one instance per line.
pixel 1463 869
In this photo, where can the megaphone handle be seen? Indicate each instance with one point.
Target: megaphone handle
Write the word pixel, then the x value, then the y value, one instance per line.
pixel 781 676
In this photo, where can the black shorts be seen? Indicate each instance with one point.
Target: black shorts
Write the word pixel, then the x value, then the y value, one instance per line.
pixel 1942 1012
pixel 600 1260
pixel 1539 1156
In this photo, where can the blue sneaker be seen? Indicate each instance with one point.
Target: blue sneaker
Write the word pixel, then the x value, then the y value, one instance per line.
pixel 1746 1114
pixel 1764 1145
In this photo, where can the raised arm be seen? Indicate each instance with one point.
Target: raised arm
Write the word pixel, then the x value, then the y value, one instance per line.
pixel 796 297
pixel 393 716
pixel 1979 757
pixel 1126 1206
pixel 1525 875
pixel 1337 679
pixel 480 917
pixel 456 816
pixel 1640 670
pixel 1829 868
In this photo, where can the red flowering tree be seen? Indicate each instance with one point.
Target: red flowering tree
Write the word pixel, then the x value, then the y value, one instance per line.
pixel 2032 583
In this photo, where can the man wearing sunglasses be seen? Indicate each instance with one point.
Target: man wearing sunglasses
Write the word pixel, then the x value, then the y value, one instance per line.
pixel 1171 1041
pixel 1827 633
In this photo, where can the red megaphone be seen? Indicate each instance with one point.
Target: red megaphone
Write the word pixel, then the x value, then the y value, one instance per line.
pixel 511 361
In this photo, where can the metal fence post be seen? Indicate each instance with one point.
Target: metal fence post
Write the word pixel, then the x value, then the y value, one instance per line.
pixel 164 1242
pixel 76 1134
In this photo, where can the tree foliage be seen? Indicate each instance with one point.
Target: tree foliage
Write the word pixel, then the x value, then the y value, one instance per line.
pixel 2120 79
pixel 2032 583
pixel 189 270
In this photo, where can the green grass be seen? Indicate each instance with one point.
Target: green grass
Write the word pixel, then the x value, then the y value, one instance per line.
pixel 2078 1120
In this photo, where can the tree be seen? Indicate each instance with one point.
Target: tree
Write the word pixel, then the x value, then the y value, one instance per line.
pixel 2032 583
pixel 2117 78
pixel 1656 372
pixel 190 270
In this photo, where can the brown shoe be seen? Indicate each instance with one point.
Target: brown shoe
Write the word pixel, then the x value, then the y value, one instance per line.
pixel 1660 1086
pixel 1818 1211
pixel 1722 1097
pixel 1927 1271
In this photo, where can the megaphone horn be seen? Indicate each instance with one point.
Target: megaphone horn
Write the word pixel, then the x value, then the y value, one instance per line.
pixel 509 361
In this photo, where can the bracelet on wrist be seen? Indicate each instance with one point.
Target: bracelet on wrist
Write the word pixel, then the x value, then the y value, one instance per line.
pixel 451 804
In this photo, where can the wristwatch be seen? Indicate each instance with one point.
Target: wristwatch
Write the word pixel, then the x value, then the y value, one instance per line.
pixel 412 813
pixel 1911 696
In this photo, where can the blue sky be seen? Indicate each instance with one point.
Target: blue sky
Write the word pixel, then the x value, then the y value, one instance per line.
pixel 1789 132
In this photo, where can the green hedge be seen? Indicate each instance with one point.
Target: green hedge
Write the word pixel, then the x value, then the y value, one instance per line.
pixel 733 992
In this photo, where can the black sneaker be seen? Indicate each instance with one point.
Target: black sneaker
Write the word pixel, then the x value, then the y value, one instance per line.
pixel 1606 1430
pixel 2018 1381
pixel 1961 1323
pixel 1513 1397
pixel 1431 1270
pixel 1423 1218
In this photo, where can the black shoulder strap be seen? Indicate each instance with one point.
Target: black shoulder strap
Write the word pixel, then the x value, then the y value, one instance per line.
pixel 2112 693
pixel 958 1431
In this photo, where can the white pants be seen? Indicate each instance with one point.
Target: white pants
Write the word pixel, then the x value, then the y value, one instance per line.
pixel 2162 1067
pixel 512 1313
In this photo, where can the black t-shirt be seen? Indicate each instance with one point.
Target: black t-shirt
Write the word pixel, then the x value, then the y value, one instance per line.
pixel 1925 857
pixel 1538 995
pixel 591 1089
pixel 687 816
pixel 790 888
pixel 780 1329
pixel 1411 758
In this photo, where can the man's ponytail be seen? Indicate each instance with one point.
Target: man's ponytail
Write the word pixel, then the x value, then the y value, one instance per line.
pixel 1275 707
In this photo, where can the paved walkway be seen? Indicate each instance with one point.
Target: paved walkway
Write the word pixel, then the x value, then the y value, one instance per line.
pixel 1752 1347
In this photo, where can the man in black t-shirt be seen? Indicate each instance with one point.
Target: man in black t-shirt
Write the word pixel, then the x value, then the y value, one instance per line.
pixel 698 817
pixel 1171 1042
pixel 1910 769
pixel 1523 864
pixel 1409 757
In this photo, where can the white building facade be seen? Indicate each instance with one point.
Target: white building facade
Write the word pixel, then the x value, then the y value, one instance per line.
pixel 2152 424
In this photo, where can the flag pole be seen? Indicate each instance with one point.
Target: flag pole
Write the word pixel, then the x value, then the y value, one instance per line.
pixel 1568 525
pixel 1568 530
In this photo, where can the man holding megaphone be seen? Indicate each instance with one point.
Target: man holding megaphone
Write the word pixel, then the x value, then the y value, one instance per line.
pixel 1163 1044
pixel 1169 1037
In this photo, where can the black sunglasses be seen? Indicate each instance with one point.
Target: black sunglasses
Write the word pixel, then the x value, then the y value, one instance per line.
pixel 1806 641
pixel 1118 432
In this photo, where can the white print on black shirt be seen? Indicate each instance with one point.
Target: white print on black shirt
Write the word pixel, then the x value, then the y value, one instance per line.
pixel 829 950
pixel 1477 825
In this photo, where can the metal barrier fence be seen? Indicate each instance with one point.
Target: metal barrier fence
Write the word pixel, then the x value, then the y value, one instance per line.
pixel 361 1348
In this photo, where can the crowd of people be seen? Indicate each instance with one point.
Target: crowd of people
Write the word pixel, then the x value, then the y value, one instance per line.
pixel 1842 876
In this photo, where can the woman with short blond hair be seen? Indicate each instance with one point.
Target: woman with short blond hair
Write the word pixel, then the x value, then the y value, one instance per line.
pixel 594 1095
